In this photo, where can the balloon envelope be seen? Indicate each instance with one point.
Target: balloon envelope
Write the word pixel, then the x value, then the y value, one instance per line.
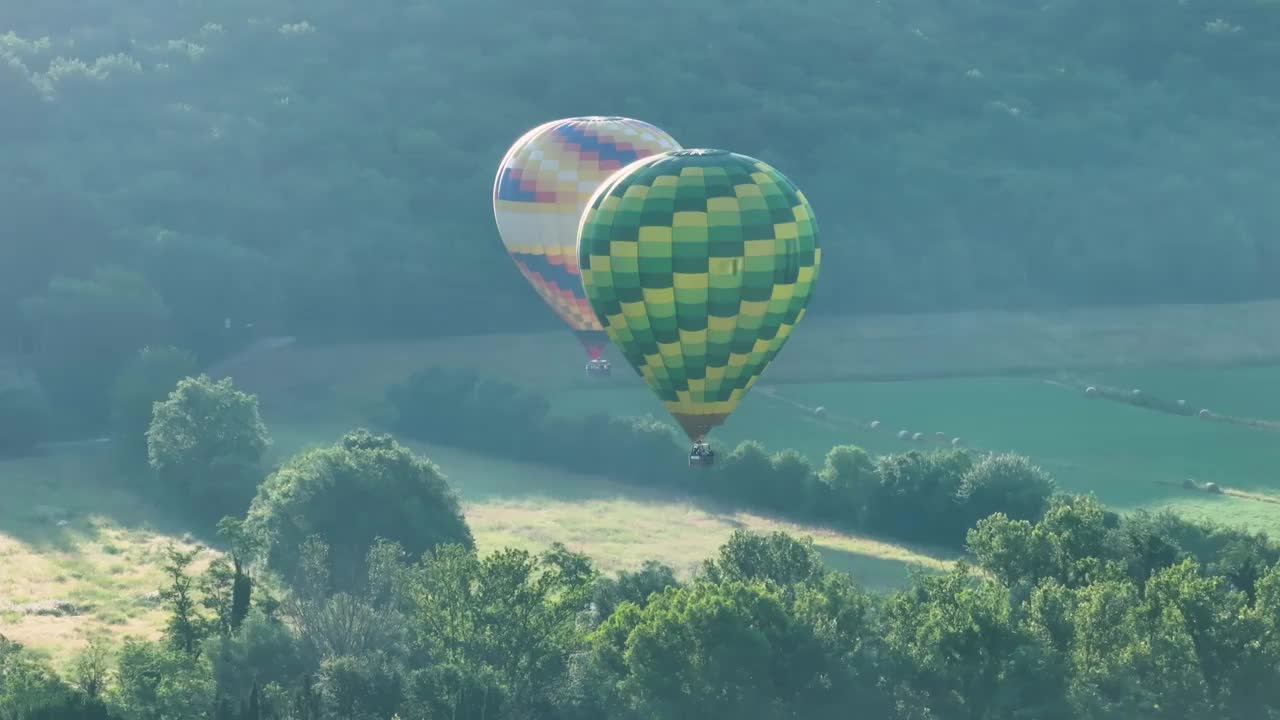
pixel 541 188
pixel 699 264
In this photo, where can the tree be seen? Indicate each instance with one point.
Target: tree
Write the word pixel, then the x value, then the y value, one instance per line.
pixel 88 328
pixel 162 683
pixel 727 649
pixel 849 476
pixel 186 627
pixel 778 560
pixel 362 488
pixel 149 377
pixel 206 444
pixel 1004 483
pixel 499 630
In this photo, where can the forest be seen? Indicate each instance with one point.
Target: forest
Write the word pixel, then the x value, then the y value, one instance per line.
pixel 323 171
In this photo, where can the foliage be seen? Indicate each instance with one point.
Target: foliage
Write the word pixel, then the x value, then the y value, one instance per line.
pixel 921 497
pixel 206 444
pixel 24 413
pixel 147 379
pixel 350 494
pixel 1003 153
pixel 763 630
pixel 30 690
pixel 86 330
pixel 155 682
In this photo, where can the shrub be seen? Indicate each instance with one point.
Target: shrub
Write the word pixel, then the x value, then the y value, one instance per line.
pixel 746 476
pixel 848 480
pixel 362 488
pixel 206 443
pixel 461 408
pixel 147 379
pixel 88 328
pixel 916 496
pixel 1006 483
pixel 24 414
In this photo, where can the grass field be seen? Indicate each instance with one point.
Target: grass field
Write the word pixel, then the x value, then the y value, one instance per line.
pixel 1128 456
pixel 80 557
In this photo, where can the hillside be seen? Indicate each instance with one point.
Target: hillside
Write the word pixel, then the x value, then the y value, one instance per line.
pixel 324 170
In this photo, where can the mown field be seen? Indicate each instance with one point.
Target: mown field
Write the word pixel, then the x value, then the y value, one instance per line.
pixel 1128 456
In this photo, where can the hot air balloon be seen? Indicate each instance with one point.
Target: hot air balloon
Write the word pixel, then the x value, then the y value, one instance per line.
pixel 699 264
pixel 542 186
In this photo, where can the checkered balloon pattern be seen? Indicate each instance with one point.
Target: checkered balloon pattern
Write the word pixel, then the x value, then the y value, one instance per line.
pixel 699 264
pixel 541 188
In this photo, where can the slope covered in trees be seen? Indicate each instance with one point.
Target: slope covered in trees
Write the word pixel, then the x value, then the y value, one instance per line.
pixel 323 168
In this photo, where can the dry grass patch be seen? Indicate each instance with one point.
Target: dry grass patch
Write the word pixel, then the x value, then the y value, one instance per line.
pixel 78 558
pixel 620 534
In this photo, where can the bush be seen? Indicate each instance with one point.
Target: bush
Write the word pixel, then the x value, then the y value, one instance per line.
pixel 848 480
pixel 154 681
pixel 24 414
pixel 362 488
pixel 925 497
pixel 1004 483
pixel 88 328
pixel 916 496
pixel 206 443
pixel 461 408
pixel 148 379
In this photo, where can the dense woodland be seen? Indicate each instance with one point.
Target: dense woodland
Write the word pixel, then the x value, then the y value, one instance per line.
pixel 323 169
pixel 1061 610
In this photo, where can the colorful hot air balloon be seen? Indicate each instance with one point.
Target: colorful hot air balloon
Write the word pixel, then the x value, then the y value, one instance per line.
pixel 699 264
pixel 542 186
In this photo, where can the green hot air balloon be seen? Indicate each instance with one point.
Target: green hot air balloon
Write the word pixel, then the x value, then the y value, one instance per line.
pixel 698 264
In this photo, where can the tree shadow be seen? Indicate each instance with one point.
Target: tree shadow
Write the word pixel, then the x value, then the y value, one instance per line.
pixel 64 496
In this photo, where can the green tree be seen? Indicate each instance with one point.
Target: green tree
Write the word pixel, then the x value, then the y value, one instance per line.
pixel 402 497
pixel 849 476
pixel 498 630
pixel 1005 483
pixel 186 627
pixel 206 444
pixel 149 377
pixel 154 682
pixel 87 329
pixel 713 650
